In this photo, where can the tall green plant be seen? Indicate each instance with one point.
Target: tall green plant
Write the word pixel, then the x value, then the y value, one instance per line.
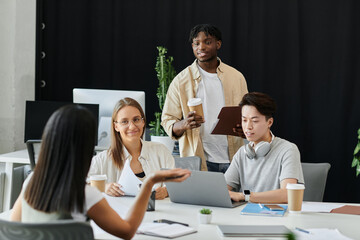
pixel 356 159
pixel 165 73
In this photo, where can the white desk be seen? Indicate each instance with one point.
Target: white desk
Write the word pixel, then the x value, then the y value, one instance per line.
pixel 11 160
pixel 165 209
pixel 346 224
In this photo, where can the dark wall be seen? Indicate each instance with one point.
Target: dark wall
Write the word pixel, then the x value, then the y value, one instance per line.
pixel 303 53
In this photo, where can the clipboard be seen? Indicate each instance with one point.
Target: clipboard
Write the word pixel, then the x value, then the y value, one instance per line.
pixel 228 117
pixel 347 209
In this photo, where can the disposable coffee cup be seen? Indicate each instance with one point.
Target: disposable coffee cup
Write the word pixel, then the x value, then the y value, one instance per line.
pixel 195 104
pixel 295 194
pixel 98 181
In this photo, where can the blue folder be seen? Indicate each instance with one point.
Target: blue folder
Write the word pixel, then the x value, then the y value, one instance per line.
pixel 256 209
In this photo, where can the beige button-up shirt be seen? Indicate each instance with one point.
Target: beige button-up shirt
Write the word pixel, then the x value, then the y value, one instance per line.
pixel 182 88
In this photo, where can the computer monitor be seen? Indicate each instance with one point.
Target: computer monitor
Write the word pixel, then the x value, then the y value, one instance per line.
pixel 37 113
pixel 106 100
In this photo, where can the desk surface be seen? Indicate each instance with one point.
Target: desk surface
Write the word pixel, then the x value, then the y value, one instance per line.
pixel 345 223
pixel 20 156
pixel 165 209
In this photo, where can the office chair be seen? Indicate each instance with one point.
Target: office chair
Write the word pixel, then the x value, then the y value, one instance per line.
pixel 19 176
pixel 59 230
pixel 21 172
pixel 33 147
pixel 315 175
pixel 191 163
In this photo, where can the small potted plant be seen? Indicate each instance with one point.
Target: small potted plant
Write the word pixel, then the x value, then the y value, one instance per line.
pixel 205 215
pixel 356 159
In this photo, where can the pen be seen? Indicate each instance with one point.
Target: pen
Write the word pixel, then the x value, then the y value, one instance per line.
pixel 302 230
pixel 260 205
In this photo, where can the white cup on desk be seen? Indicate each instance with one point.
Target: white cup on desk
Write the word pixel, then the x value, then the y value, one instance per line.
pixel 98 181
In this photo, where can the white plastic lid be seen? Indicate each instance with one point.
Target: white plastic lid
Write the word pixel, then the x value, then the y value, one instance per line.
pixel 97 177
pixel 295 186
pixel 194 102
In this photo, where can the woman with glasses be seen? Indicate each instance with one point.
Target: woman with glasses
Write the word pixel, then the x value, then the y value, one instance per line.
pixel 57 188
pixel 126 144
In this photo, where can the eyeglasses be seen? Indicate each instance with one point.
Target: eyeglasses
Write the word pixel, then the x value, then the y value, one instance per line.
pixel 137 121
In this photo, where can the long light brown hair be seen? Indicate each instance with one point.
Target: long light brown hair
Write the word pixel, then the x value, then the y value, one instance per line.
pixel 116 147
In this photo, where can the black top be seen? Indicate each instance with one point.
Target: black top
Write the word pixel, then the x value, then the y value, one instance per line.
pixel 140 175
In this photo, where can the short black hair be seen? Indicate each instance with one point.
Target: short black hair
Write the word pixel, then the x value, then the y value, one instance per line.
pixel 261 101
pixel 208 29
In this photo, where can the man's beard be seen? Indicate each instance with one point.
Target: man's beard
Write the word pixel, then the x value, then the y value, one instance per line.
pixel 207 60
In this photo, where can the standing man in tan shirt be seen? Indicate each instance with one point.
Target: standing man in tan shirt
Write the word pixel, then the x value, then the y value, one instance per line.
pixel 218 85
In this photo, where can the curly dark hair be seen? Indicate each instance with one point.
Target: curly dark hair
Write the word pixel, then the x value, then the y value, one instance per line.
pixel 208 29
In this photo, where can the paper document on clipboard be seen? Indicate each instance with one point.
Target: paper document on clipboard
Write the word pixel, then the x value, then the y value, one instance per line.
pixel 227 120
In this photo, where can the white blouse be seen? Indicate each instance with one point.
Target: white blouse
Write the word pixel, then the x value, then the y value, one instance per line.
pixel 29 214
pixel 153 157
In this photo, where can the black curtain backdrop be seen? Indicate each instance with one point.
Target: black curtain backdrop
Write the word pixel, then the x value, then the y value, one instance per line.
pixel 304 53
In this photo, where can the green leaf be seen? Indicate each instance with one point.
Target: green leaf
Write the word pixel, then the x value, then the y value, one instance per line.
pixel 290 236
pixel 355 161
pixel 156 128
pixel 205 211
pixel 357 148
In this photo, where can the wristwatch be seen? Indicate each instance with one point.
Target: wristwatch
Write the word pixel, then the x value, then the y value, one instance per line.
pixel 247 195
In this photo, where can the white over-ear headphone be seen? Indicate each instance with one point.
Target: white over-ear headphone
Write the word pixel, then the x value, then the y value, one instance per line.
pixel 260 150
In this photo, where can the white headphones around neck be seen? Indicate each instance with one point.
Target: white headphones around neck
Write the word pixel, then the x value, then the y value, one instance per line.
pixel 260 150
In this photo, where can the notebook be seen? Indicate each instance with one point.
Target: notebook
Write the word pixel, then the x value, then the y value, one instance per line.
pixel 202 188
pixel 165 230
pixel 253 230
pixel 260 210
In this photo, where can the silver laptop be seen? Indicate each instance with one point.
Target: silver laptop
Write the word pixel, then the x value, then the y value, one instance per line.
pixel 202 188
